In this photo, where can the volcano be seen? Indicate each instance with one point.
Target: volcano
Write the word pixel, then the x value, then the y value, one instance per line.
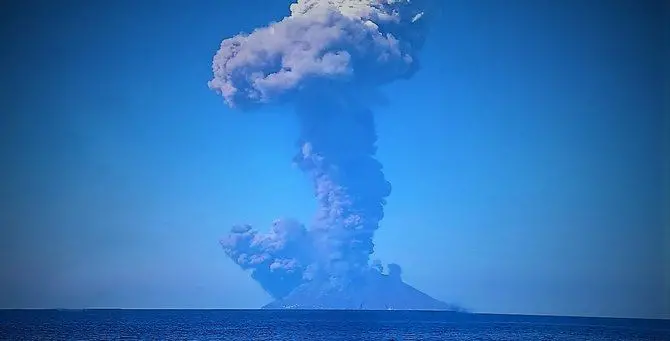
pixel 376 291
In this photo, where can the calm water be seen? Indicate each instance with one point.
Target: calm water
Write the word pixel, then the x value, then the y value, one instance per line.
pixel 313 326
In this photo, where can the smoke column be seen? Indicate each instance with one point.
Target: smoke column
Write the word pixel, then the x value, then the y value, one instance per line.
pixel 327 58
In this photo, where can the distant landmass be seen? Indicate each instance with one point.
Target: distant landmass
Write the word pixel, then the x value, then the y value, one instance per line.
pixel 376 291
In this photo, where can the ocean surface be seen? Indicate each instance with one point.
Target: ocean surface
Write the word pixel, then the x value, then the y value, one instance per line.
pixel 314 326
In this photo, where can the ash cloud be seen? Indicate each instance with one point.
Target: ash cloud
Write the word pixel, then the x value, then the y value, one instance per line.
pixel 350 43
pixel 327 58
pixel 277 258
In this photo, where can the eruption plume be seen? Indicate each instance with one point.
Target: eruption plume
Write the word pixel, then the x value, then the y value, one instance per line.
pixel 327 58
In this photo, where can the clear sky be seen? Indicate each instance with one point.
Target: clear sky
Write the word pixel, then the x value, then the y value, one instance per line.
pixel 526 158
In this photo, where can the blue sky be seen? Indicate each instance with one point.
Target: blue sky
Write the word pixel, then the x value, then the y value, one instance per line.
pixel 526 158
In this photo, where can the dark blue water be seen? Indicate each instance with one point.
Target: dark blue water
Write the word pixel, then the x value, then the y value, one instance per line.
pixel 314 326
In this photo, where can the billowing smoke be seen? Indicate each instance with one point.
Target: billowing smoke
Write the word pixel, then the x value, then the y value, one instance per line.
pixel 327 58
pixel 277 259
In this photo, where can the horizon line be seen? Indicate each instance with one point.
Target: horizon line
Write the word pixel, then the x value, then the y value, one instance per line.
pixel 340 310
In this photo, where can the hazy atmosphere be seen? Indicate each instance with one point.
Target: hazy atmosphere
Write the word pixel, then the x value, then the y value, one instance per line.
pixel 527 157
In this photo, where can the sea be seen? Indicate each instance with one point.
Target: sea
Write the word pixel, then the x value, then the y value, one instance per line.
pixel 315 325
